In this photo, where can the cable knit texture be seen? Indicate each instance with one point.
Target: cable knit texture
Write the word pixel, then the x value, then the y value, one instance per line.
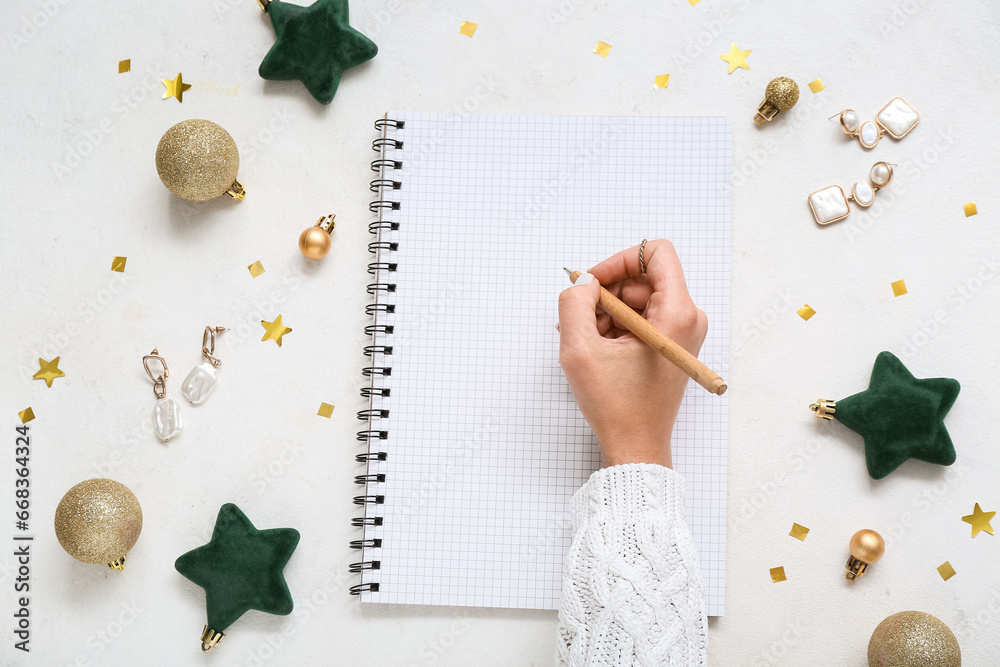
pixel 632 589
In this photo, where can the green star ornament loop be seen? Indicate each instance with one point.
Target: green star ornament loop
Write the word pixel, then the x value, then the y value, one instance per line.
pixel 240 569
pixel 899 416
pixel 314 45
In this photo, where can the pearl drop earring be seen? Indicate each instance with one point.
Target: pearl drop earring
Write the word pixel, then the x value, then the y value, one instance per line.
pixel 896 118
pixel 166 413
pixel 201 381
pixel 830 204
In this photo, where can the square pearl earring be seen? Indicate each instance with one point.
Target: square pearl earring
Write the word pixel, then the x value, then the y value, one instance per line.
pixel 896 118
pixel 830 204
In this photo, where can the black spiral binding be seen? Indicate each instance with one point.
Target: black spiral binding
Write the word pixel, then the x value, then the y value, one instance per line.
pixel 387 169
pixel 373 308
pixel 374 227
pixel 367 521
pixel 366 544
pixel 375 267
pixel 365 565
pixel 379 183
pixel 364 588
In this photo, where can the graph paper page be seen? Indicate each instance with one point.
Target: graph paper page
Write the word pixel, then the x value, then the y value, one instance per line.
pixel 484 443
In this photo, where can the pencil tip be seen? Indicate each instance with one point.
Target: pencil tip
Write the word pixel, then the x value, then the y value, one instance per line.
pixel 568 272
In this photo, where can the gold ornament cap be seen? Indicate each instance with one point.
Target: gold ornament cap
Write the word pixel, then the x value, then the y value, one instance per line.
pixel 781 95
pixel 211 638
pixel 824 408
pixel 867 547
pixel 314 242
pixel 198 160
pixel 99 521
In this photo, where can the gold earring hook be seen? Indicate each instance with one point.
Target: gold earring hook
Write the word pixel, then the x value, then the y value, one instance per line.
pixel 159 381
pixel 208 344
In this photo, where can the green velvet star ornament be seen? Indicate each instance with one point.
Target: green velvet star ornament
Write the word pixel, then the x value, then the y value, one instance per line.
pixel 899 416
pixel 313 44
pixel 240 569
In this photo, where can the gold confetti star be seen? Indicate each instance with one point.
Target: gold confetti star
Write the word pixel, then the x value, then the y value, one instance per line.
pixel 661 81
pixel 693 2
pixel 899 288
pixel 118 264
pixel 736 58
pixel 49 371
pixel 274 330
pixel 980 520
pixel 124 66
pixel 256 269
pixel 817 85
pixel 799 532
pixel 175 88
pixel 602 49
pixel 468 28
pixel 777 574
pixel 805 312
pixel 325 410
pixel 26 415
pixel 970 209
pixel 946 570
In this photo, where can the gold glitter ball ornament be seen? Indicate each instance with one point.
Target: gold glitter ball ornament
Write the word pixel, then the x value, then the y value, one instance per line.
pixel 197 160
pixel 781 95
pixel 913 639
pixel 98 521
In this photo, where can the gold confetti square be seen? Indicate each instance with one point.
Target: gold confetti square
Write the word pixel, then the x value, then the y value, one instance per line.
pixel 468 28
pixel 799 532
pixel 661 81
pixel 970 209
pixel 256 269
pixel 124 66
pixel 816 85
pixel 805 312
pixel 946 570
pixel 777 574
pixel 602 49
pixel 26 415
pixel 325 410
pixel 118 264
pixel 899 288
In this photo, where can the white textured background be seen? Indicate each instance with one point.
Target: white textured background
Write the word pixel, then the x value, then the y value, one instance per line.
pixel 79 187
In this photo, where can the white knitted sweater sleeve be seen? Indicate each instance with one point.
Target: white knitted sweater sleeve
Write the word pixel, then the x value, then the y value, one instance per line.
pixel 632 589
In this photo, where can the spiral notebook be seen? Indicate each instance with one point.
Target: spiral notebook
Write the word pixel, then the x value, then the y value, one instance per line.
pixel 473 443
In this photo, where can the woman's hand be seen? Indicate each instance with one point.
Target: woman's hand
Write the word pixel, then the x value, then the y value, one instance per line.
pixel 628 393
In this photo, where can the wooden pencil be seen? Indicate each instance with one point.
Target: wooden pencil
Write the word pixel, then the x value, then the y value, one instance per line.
pixel 658 340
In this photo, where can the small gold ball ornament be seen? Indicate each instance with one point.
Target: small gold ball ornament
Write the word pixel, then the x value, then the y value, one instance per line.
pixel 781 95
pixel 866 547
pixel 197 160
pixel 314 242
pixel 98 521
pixel 913 639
